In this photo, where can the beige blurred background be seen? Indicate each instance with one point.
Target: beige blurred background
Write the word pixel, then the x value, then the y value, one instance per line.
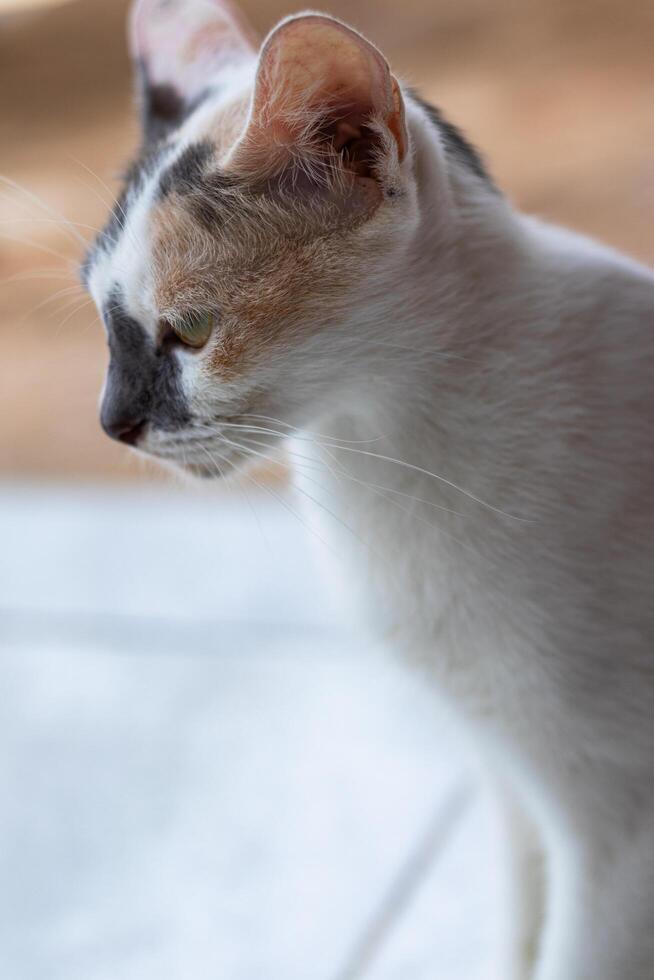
pixel 558 94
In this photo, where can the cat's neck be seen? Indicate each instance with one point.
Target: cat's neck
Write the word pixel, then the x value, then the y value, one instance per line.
pixel 470 341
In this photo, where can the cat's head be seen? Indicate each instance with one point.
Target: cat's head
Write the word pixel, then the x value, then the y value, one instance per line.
pixel 236 276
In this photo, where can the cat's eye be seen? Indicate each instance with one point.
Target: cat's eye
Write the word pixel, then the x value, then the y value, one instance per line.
pixel 194 328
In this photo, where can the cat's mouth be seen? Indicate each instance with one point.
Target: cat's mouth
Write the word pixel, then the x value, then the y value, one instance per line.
pixel 202 471
pixel 206 461
pixel 211 456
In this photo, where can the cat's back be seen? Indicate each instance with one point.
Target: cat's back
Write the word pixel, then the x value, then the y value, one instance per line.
pixel 590 344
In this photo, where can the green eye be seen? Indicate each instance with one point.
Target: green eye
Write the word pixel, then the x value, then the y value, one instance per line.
pixel 194 329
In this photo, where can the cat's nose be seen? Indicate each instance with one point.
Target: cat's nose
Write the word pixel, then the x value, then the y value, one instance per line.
pixel 127 430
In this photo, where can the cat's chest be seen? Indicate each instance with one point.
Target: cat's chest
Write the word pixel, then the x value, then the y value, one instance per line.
pixel 428 599
pixel 398 556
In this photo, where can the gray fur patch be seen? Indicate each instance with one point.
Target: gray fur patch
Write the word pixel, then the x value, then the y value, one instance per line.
pixel 162 108
pixel 185 174
pixel 456 145
pixel 143 379
pixel 134 178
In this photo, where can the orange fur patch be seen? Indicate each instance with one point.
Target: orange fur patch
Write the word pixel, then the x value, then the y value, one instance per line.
pixel 267 284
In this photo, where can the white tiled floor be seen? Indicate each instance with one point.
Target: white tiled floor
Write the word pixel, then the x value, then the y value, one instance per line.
pixel 204 775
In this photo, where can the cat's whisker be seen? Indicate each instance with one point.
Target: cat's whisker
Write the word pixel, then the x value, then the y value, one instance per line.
pixel 314 501
pixel 300 462
pixel 212 461
pixel 73 313
pixel 62 299
pixel 309 463
pixel 298 432
pixel 49 221
pixel 342 473
pixel 91 323
pixel 425 472
pixel 74 293
pixel 409 496
pixel 62 221
pixel 239 476
pixel 41 247
pixel 346 446
pixel 45 274
pixel 306 463
pixel 284 503
pixel 112 201
pixel 263 430
pixel 199 428
pixel 383 492
pixel 386 493
pixel 265 445
pixel 72 304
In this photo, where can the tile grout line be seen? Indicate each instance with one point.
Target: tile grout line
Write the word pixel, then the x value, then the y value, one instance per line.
pixel 405 886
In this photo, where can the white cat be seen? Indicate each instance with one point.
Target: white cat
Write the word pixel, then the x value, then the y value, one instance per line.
pixel 303 243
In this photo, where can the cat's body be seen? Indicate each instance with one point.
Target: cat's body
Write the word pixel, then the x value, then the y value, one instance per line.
pixel 539 633
pixel 483 386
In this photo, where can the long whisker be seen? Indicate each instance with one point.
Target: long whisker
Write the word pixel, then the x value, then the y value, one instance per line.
pixel 60 294
pixel 308 462
pixel 40 274
pixel 114 203
pixel 348 447
pixel 73 313
pixel 285 504
pixel 382 493
pixel 211 460
pixel 308 432
pixel 51 221
pixel 40 247
pixel 346 474
pixel 240 478
pixel 313 500
pixel 264 445
pixel 112 198
pixel 255 514
pixel 435 476
pixel 61 220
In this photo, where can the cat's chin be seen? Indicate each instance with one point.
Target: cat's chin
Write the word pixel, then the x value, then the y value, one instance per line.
pixel 192 471
pixel 207 465
pixel 200 471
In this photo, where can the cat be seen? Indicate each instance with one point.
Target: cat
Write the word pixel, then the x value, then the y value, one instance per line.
pixel 306 249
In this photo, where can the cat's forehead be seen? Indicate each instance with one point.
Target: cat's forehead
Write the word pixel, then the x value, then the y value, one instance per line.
pixel 144 220
pixel 121 260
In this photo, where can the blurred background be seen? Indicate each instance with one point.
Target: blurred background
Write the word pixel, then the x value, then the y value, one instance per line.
pixel 204 772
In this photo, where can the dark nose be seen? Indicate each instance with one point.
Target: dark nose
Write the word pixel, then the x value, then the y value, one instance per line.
pixel 128 430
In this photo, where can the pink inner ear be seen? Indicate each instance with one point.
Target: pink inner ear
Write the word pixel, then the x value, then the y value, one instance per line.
pixel 188 43
pixel 314 68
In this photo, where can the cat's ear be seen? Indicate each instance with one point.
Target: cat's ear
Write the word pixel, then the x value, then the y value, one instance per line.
pixel 181 49
pixel 324 101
